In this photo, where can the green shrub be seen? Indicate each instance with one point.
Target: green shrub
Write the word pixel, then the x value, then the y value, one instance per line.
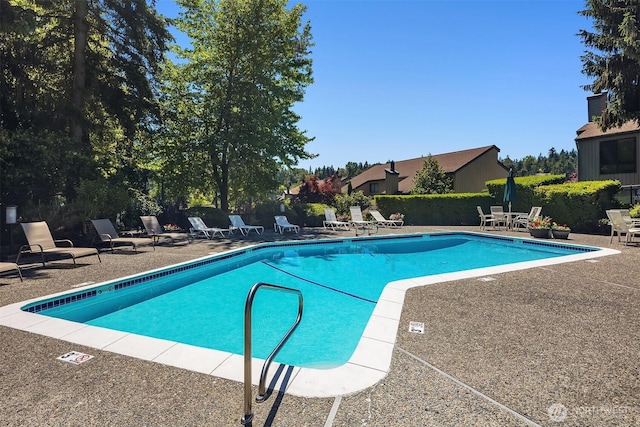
pixel 213 217
pixel 581 205
pixel 345 201
pixel 525 190
pixel 436 209
pixel 310 214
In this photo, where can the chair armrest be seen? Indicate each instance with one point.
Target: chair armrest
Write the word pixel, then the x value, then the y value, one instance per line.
pixel 23 247
pixel 105 237
pixel 66 242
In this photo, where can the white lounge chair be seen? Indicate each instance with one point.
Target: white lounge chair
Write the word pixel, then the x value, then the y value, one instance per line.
pixel 282 224
pixel 358 221
pixel 237 223
pixel 199 228
pixel 381 220
pixel 107 234
pixel 330 220
pixel 485 219
pixel 524 220
pixel 40 241
pixel 10 266
pixel 619 226
pixel 155 230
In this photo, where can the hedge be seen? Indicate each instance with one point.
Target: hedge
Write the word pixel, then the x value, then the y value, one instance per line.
pixel 436 209
pixel 580 205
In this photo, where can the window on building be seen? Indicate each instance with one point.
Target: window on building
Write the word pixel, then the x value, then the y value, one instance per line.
pixel 618 156
pixel 374 187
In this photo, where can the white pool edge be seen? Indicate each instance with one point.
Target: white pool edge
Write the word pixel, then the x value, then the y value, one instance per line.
pixel 369 363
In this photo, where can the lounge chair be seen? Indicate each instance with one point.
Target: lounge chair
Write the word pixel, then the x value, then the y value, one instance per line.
pixel 155 230
pixel 499 217
pixel 381 220
pixel 40 241
pixel 282 224
pixel 330 220
pixel 485 219
pixel 358 221
pixel 524 220
pixel 238 224
pixel 620 226
pixel 108 234
pixel 10 266
pixel 199 228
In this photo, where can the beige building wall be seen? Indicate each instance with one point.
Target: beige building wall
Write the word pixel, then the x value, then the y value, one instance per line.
pixel 366 187
pixel 589 161
pixel 471 178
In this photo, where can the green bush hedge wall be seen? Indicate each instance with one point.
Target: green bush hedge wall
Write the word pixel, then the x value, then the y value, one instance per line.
pixel 436 209
pixel 580 205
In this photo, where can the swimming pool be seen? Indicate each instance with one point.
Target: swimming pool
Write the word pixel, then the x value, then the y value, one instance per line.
pixel 386 274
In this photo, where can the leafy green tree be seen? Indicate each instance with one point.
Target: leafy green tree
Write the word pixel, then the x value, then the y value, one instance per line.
pixel 431 179
pixel 229 118
pixel 613 57
pixel 343 202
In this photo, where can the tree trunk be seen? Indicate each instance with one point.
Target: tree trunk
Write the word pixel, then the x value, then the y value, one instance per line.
pixel 79 72
pixel 224 188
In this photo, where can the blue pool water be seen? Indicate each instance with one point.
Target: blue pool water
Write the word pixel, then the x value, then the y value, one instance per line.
pixel 202 303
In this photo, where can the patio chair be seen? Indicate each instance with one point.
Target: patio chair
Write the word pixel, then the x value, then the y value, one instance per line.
pixel 381 220
pixel 619 226
pixel 107 234
pixel 199 228
pixel 10 266
pixel 237 223
pixel 524 220
pixel 485 218
pixel 631 222
pixel 499 217
pixel 282 224
pixel 330 220
pixel 40 241
pixel 358 221
pixel 156 232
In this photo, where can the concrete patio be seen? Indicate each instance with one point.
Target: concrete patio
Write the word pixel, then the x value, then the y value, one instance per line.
pixel 552 346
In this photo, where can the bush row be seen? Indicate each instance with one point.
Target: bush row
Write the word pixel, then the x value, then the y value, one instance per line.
pixel 580 205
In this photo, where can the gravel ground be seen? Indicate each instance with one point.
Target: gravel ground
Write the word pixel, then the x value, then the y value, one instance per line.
pixel 552 346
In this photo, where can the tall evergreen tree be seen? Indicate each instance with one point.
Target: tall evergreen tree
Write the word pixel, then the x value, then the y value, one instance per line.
pixel 613 58
pixel 431 179
pixel 76 80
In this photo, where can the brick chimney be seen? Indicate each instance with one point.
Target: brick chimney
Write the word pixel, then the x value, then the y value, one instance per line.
pixel 596 105
pixel 391 178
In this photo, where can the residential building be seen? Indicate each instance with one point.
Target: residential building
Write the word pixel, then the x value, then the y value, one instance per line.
pixel 470 169
pixel 610 154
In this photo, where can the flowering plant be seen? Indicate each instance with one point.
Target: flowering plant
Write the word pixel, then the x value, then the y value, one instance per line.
pixel 171 227
pixel 396 216
pixel 560 227
pixel 540 223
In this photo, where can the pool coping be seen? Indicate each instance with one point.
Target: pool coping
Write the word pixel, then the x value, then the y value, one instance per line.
pixel 369 363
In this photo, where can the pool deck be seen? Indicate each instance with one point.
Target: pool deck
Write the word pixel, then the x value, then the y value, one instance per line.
pixel 557 345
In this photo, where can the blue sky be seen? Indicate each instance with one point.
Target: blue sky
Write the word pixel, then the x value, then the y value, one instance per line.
pixel 400 79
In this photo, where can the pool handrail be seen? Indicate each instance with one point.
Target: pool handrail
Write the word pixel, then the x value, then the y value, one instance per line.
pixel 262 396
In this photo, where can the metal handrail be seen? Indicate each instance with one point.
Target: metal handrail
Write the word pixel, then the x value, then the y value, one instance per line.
pixel 248 415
